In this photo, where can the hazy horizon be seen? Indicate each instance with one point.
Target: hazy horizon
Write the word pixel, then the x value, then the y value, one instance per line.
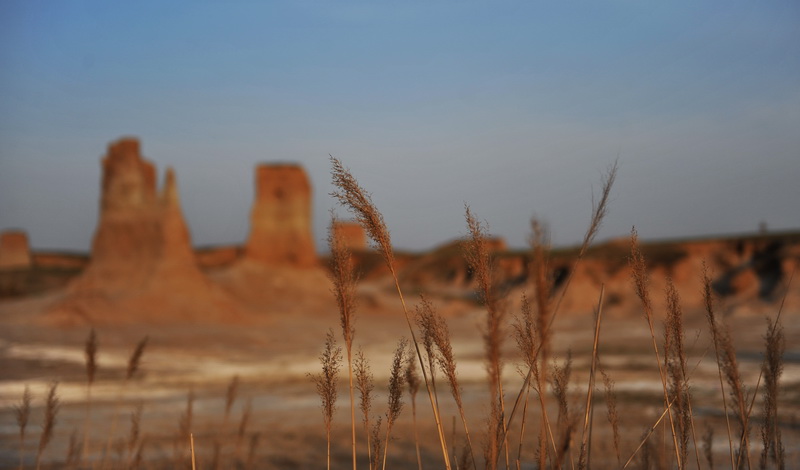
pixel 515 109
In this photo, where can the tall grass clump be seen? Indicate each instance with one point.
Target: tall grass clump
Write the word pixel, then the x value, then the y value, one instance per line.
pixel 480 261
pixel 771 369
pixel 641 282
pixel 547 314
pixel 50 414
pixel 22 413
pixel 675 358
pixel 344 289
pixel 331 360
pixel 396 383
pixel 412 380
pixel 365 383
pixel 134 362
pixel 436 334
pixel 359 202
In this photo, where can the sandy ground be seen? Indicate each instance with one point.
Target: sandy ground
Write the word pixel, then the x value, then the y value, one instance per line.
pixel 272 360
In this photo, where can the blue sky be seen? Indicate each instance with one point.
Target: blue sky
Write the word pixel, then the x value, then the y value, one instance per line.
pixel 515 108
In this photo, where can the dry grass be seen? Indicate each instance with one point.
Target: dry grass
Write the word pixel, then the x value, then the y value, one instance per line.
pixel 344 290
pixel 50 414
pixel 331 360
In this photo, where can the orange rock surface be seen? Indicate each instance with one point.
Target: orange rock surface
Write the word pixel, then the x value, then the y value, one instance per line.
pixel 15 252
pixel 280 221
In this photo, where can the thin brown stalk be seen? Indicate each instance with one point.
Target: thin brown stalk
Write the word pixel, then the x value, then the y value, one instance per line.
pixel 134 436
pixel 90 352
pixel 331 360
pixel 611 410
pixel 375 439
pixel 50 414
pixel 231 394
pixel 191 446
pixel 708 300
pixel 184 431
pixel 412 379
pixel 777 320
pixel 772 368
pixel 675 357
pixel 251 450
pixel 730 369
pixel 396 382
pixel 344 289
pixel 708 441
pixel 560 383
pixel 359 202
pixel 585 459
pixel 241 431
pixel 599 211
pixel 646 437
pixel 22 412
pixel 525 335
pixel 640 283
pixel 73 451
pixel 365 385
pixel 480 261
pixel 436 334
pixel 134 363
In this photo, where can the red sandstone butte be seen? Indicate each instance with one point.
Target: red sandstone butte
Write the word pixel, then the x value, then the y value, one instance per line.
pixel 280 221
pixel 15 252
pixel 142 266
pixel 352 234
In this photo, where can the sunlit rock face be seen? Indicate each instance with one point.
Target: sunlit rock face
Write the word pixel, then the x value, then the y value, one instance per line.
pixel 351 234
pixel 15 251
pixel 142 265
pixel 280 221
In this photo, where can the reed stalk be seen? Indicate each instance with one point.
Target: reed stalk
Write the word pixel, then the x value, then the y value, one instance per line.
pixel 585 459
pixel 365 385
pixel 331 360
pixel 134 362
pixel 599 212
pixel 50 414
pixel 396 382
pixel 412 379
pixel 22 413
pixel 436 334
pixel 359 202
pixel 640 283
pixel 344 289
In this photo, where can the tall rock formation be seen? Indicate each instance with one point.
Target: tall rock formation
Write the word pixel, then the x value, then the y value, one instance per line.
pixel 142 266
pixel 15 252
pixel 352 234
pixel 280 221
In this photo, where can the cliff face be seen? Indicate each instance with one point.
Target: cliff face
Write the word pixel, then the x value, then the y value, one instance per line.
pixel 280 221
pixel 15 252
pixel 142 266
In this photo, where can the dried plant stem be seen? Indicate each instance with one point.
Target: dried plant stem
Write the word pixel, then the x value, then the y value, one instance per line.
pixel 330 358
pixel 50 412
pixel 134 361
pixel 647 436
pixel 358 201
pixel 22 413
pixel 761 372
pixel 640 280
pixel 191 445
pixel 364 384
pixel 599 211
pixel 715 339
pixel 344 283
pixel 585 459
pixel 396 381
